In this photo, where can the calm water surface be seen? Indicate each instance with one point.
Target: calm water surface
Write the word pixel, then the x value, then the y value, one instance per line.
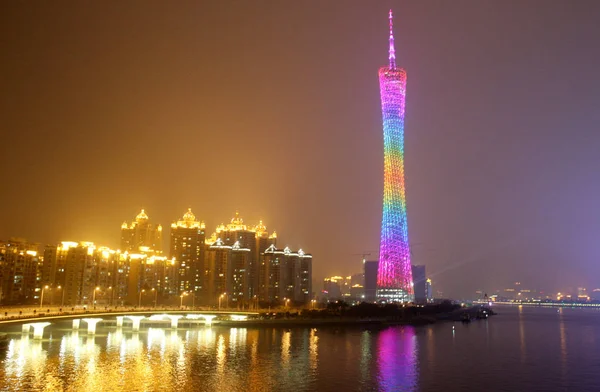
pixel 521 349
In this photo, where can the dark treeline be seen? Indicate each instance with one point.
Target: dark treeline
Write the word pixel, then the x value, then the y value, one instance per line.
pixel 370 310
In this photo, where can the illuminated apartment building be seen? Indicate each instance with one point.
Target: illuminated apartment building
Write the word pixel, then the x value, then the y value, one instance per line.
pixel 151 278
pixel 256 238
pixel 332 287
pixel 217 260
pixel 79 273
pixel 18 271
pixel 141 235
pixel 429 291
pixel 238 275
pixel 285 274
pixel 227 273
pixel 187 246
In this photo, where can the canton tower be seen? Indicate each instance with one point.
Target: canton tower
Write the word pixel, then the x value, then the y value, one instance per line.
pixel 394 277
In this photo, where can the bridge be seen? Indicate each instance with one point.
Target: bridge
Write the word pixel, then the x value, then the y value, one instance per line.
pixel 130 318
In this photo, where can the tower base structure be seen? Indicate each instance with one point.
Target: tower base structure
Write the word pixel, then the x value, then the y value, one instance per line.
pixel 390 295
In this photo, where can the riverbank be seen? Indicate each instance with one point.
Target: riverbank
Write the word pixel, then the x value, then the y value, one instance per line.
pixel 296 320
pixel 322 322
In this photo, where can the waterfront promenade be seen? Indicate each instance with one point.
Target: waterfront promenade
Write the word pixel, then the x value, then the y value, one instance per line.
pixel 591 305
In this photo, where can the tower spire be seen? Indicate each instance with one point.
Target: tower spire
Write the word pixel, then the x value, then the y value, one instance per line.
pixel 392 49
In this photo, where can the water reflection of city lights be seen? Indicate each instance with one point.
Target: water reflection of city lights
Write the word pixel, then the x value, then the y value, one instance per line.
pixel 156 337
pixel 114 339
pixel 313 346
pixel 233 332
pixel 396 359
pixel 130 347
pixel 218 357
pixel 221 355
pixel 24 356
pixel 72 347
pixel 285 348
pixel 206 337
pixel 365 355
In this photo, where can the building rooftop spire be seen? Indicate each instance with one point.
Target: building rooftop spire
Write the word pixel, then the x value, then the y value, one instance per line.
pixel 141 216
pixel 392 49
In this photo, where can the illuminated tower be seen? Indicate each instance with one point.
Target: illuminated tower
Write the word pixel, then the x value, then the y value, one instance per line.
pixel 394 278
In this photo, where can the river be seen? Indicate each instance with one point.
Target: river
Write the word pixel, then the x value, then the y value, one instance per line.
pixel 520 349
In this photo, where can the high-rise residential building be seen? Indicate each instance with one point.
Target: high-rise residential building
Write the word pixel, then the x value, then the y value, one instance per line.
pixel 54 267
pixel 227 273
pixel 151 279
pixel 238 288
pixel 357 291
pixel 332 289
pixel 428 291
pixel 358 279
pixel 120 279
pixel 83 274
pixel 18 272
pixel 371 268
pixel 394 281
pixel 238 231
pixel 256 238
pixel 270 274
pixel 419 279
pixel 187 247
pixel 80 264
pixel 337 287
pixel 302 276
pixel 346 285
pixel 217 261
pixel 284 275
pixel 141 236
pixel 263 241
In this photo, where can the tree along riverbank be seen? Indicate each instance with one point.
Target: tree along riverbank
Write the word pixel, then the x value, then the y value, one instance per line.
pixel 367 314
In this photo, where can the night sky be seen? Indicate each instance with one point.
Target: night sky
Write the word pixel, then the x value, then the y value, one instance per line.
pixel 272 108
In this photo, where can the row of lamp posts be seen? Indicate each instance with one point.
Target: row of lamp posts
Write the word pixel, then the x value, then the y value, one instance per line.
pixel 62 302
pixel 184 294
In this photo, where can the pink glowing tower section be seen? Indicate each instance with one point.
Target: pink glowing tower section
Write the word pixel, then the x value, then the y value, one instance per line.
pixel 394 278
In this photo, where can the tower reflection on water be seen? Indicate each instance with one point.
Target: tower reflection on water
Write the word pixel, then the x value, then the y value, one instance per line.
pixel 211 358
pixel 396 359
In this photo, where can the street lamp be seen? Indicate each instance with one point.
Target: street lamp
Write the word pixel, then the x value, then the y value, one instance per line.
pixel 155 296
pixel 312 303
pixel 42 296
pixel 62 302
pixel 111 296
pixel 287 301
pixel 220 298
pixel 181 297
pixel 140 300
pixel 94 297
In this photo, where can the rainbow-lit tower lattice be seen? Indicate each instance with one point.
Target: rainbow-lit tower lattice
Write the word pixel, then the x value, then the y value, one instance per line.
pixel 394 279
